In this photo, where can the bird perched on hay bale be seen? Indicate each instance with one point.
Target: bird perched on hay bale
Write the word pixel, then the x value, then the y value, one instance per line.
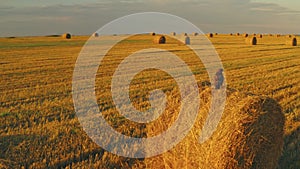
pixel 159 40
pixel 219 79
pixel 67 36
pixel 251 40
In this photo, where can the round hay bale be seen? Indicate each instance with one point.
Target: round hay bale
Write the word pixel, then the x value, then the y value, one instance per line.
pixel 237 34
pixel 152 33
pixel 251 40
pixel 254 34
pixel 96 34
pixel 211 35
pixel 249 135
pixel 291 41
pixel 289 36
pixel 278 35
pixel 173 33
pixel 216 33
pixel 231 34
pixel 270 34
pixel 67 36
pixel 187 40
pixel 159 40
pixel 184 34
pixel 195 33
pixel 260 36
pixel 246 35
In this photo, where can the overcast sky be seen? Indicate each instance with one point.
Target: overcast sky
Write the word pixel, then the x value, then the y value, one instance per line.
pixel 46 17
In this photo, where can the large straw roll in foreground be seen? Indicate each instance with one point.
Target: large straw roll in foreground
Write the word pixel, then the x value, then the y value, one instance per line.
pixel 159 40
pixel 291 41
pixel 67 36
pixel 249 135
pixel 251 40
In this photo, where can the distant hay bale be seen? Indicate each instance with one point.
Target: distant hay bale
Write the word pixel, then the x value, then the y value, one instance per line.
pixel 270 34
pixel 246 35
pixel 195 34
pixel 152 33
pixel 187 40
pixel 159 40
pixel 291 41
pixel 184 34
pixel 259 35
pixel 251 40
pixel 237 34
pixel 67 36
pixel 173 33
pixel 254 34
pixel 231 34
pixel 96 34
pixel 216 33
pixel 211 35
pixel 278 35
pixel 289 36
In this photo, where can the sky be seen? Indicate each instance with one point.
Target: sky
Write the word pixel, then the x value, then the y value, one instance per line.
pixel 83 17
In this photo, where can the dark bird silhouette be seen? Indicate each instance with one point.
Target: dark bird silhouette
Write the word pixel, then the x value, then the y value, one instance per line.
pixel 219 79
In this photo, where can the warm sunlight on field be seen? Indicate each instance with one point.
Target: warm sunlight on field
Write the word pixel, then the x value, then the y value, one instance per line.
pixel 39 127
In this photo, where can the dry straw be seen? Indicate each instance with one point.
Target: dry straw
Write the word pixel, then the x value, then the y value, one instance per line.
pixel 251 40
pixel 67 36
pixel 159 40
pixel 249 135
pixel 291 41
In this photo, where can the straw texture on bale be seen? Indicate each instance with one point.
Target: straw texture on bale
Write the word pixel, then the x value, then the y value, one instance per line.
pixel 159 40
pixel 249 136
pixel 251 40
pixel 291 41
pixel 67 36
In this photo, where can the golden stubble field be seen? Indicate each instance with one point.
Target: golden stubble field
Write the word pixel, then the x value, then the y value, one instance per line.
pixel 38 124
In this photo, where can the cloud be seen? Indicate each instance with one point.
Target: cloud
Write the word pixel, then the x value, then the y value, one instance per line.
pixel 209 15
